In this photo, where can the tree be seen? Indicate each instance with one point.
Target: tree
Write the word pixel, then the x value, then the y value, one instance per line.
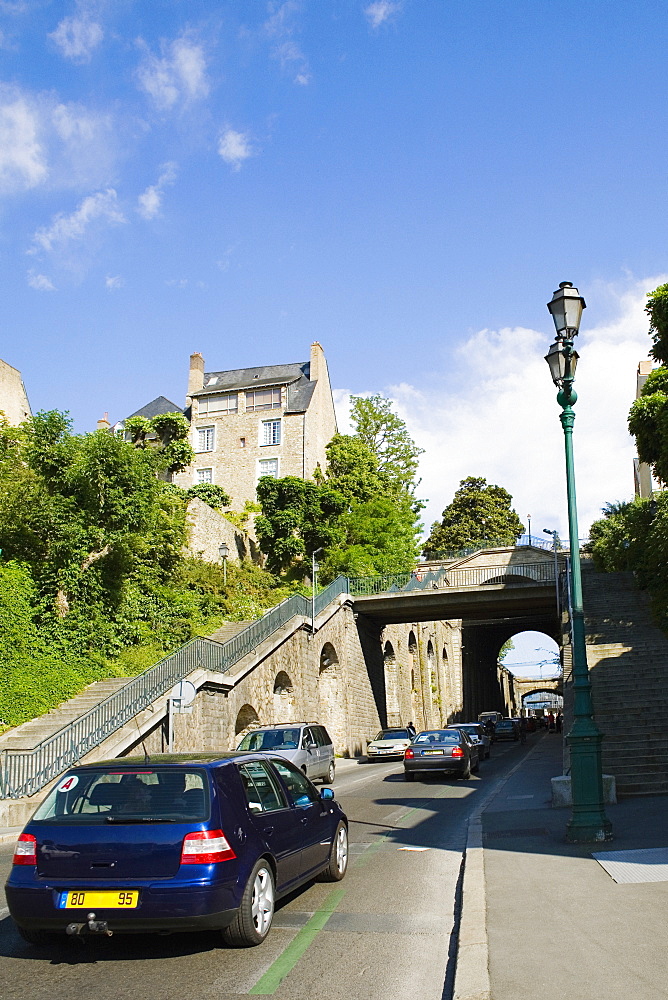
pixel 480 513
pixel 648 417
pixel 298 517
pixel 167 433
pixel 386 435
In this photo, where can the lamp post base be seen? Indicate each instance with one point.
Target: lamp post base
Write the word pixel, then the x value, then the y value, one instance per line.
pixel 588 823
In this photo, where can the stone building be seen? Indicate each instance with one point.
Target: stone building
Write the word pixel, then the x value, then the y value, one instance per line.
pixel 13 398
pixel 275 420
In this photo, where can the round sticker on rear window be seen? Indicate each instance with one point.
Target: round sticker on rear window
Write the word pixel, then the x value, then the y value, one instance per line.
pixel 67 784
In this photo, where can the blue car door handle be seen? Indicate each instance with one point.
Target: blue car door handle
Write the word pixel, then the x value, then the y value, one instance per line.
pixel 268 830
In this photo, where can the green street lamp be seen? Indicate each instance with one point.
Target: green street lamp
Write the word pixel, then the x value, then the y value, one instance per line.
pixel 588 823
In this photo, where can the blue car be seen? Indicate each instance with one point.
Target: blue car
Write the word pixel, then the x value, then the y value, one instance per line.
pixel 173 843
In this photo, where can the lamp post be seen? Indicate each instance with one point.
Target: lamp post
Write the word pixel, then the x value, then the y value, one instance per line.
pixel 588 823
pixel 223 552
pixel 529 520
pixel 555 549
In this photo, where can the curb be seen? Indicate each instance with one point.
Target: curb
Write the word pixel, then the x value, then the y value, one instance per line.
pixel 9 836
pixel 472 968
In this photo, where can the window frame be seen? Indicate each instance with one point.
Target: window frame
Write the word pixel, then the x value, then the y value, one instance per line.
pixel 271 425
pixel 276 403
pixel 199 480
pixel 277 787
pixel 264 461
pixel 205 431
pixel 222 412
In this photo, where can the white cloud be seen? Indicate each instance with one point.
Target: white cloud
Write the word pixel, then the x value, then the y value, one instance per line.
pixel 22 156
pixel 494 414
pixel 102 206
pixel 77 37
pixel 234 147
pixel 45 142
pixel 380 11
pixel 281 25
pixel 113 281
pixel 178 75
pixel 40 282
pixel 150 201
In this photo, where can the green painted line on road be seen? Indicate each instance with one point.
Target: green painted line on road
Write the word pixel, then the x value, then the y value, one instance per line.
pixel 287 960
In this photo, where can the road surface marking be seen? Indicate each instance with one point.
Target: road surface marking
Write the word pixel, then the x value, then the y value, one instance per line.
pixel 287 960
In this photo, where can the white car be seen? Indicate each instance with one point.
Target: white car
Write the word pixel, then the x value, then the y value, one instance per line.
pixel 389 743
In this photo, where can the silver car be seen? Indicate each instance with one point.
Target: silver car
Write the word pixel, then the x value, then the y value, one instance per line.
pixel 389 743
pixel 306 744
pixel 476 732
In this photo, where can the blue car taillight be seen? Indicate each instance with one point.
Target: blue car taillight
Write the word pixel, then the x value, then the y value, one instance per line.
pixel 25 852
pixel 206 847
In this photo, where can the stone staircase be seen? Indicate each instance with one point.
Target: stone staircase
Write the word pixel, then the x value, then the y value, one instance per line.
pixel 628 664
pixel 228 630
pixel 31 734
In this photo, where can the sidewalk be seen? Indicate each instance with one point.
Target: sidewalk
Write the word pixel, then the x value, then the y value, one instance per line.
pixel 557 923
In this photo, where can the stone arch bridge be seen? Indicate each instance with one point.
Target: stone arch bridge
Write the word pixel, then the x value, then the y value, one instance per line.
pixel 419 648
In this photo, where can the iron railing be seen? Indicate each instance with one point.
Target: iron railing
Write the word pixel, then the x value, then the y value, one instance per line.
pixel 509 574
pixel 25 772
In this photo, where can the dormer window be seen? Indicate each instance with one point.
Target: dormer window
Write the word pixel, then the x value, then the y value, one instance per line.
pixel 262 399
pixel 218 405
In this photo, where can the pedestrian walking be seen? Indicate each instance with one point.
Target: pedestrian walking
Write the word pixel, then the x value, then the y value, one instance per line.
pixel 559 722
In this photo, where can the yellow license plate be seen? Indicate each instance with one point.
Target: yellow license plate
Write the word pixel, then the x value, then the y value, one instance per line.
pixel 116 899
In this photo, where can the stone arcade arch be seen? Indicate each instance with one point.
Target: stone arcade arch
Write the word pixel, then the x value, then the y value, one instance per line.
pixel 391 670
pixel 247 718
pixel 284 698
pixel 432 707
pixel 415 679
pixel 331 695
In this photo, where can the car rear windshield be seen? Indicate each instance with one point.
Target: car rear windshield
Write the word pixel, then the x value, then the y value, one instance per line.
pixel 127 795
pixel 438 736
pixel 393 734
pixel 271 739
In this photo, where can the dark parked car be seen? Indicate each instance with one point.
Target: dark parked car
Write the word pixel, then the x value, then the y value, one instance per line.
pixel 174 843
pixel 506 729
pixel 441 750
pixel 478 734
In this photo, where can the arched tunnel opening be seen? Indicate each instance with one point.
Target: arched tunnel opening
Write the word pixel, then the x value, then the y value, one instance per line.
pixel 485 687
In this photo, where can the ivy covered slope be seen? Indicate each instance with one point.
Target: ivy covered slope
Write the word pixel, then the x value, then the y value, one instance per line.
pixel 93 581
pixel 634 535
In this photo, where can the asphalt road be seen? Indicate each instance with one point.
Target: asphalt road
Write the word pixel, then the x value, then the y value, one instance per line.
pixel 384 932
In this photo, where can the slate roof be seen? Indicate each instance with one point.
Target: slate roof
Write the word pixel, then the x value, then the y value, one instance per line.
pixel 295 376
pixel 156 408
pixel 253 378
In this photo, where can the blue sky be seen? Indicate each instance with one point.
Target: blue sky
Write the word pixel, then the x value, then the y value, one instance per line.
pixel 406 181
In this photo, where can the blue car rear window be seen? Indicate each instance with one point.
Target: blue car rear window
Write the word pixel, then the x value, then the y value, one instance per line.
pixel 132 794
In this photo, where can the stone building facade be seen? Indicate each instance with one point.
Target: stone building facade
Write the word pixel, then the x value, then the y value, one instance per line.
pixel 274 420
pixel 13 397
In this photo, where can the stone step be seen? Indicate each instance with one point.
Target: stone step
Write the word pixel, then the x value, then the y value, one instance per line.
pixel 228 630
pixel 32 733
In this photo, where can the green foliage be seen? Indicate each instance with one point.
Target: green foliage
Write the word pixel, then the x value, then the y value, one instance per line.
pixel 241 518
pixel 634 536
pixel 657 310
pixel 386 436
pixel 507 647
pixel 167 435
pixel 479 513
pixel 298 517
pixel 648 417
pixel 213 495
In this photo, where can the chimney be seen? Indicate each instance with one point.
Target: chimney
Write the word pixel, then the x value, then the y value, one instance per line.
pixel 195 375
pixel 318 363
pixel 103 423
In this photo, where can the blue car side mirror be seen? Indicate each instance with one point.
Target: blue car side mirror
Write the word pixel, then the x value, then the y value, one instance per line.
pixel 327 794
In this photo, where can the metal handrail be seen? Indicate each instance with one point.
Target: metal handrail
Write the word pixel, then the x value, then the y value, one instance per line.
pixel 474 576
pixel 25 772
